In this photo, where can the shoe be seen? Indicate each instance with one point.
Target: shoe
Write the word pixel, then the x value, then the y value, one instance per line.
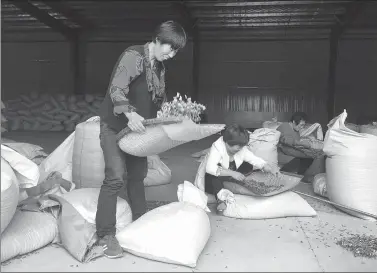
pixel 111 247
pixel 221 207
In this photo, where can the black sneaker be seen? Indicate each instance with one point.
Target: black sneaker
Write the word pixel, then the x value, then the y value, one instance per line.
pixel 111 247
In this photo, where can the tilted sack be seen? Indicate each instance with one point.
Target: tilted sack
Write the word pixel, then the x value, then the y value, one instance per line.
pixel 351 167
pixel 88 165
pixel 159 138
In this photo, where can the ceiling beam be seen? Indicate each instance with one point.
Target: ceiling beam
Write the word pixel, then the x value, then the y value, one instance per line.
pixel 260 3
pixel 251 25
pixel 45 18
pixel 265 14
pixel 61 7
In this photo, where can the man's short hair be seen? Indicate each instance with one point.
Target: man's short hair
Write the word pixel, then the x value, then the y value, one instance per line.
pixel 171 33
pixel 236 135
pixel 297 117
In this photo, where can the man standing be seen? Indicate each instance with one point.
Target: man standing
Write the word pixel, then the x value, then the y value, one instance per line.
pixel 136 92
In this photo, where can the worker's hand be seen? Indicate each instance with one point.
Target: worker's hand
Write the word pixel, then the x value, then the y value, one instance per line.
pixel 273 169
pixel 135 122
pixel 238 176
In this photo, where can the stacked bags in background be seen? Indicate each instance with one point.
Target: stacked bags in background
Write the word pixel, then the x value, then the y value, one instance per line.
pixel 351 167
pixel 46 112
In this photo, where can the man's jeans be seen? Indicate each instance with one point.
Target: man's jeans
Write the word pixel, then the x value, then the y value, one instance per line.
pixel 214 184
pixel 124 177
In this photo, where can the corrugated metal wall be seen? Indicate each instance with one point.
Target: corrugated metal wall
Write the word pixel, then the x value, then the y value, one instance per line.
pixel 356 78
pixel 250 81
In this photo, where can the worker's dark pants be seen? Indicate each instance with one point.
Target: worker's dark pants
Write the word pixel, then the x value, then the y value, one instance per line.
pixel 124 177
pixel 214 184
pixel 304 164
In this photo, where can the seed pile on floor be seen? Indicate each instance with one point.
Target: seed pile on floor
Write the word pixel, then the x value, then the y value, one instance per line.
pixel 360 245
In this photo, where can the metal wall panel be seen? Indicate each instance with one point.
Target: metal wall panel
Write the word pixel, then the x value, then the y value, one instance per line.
pixel 356 78
pixel 35 66
pixel 271 77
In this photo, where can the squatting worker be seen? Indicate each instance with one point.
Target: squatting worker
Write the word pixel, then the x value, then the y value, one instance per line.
pixel 136 92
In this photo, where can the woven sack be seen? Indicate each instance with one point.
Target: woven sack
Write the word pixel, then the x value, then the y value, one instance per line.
pixel 88 166
pixel 264 184
pixel 287 204
pixel 9 194
pixel 351 167
pixel 28 231
pixel 159 138
pixel 263 143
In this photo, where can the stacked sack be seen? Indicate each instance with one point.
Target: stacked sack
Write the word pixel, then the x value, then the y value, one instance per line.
pixel 351 167
pixel 88 166
pixel 45 112
pixel 21 231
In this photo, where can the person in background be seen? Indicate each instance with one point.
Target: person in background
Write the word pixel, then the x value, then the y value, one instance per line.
pixel 290 144
pixel 229 158
pixel 135 92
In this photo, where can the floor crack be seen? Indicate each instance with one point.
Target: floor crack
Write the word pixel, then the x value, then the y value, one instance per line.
pixel 310 245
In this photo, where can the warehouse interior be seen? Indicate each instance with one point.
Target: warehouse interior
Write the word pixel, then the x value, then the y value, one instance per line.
pixel 247 61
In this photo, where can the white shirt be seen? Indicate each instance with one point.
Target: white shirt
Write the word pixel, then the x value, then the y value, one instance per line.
pixel 219 155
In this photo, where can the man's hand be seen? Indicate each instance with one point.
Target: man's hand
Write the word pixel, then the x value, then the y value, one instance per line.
pixel 135 122
pixel 271 169
pixel 238 176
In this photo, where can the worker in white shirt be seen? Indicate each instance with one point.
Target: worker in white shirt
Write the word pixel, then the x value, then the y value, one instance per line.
pixel 229 158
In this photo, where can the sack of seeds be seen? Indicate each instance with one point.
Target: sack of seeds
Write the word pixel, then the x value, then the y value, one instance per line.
pixel 287 204
pixel 264 184
pixel 351 167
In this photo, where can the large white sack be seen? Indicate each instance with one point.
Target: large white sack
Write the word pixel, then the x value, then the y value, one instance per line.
pixel 287 204
pixel 85 201
pixel 60 160
pixel 28 231
pixel 26 171
pixel 88 166
pixel 175 233
pixel 263 143
pixel 351 167
pixel 9 194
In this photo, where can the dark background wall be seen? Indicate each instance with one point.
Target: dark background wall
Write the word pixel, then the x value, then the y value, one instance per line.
pixel 242 81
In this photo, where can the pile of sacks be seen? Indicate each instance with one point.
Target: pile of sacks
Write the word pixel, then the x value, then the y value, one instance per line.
pixel 65 185
pixel 29 175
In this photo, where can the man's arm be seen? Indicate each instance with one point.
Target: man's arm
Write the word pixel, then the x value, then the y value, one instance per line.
pixel 129 67
pixel 252 159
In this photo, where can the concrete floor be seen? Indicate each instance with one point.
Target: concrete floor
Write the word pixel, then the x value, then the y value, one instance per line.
pixel 286 244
